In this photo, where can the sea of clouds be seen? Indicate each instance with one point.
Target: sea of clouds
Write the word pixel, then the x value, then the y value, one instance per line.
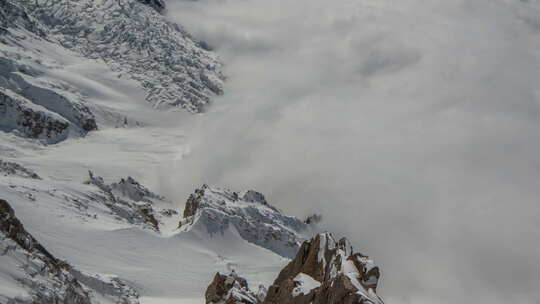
pixel 413 126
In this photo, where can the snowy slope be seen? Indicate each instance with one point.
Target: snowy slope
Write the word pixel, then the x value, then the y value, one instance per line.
pixel 29 273
pixel 76 222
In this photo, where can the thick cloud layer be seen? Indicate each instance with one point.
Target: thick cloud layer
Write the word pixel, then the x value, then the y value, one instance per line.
pixel 412 125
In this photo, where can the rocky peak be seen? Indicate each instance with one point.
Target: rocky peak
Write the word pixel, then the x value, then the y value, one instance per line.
pixel 326 271
pixel 214 211
pixel 232 289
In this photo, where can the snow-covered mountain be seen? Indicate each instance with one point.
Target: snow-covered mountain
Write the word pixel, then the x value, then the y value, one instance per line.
pixel 123 240
pixel 132 37
pixel 81 220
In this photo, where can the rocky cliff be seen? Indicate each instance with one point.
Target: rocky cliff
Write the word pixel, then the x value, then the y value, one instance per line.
pixel 324 271
pixel 44 278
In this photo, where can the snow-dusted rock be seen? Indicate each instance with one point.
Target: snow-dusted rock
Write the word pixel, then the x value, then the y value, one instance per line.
pixel 15 169
pixel 134 39
pixel 215 211
pixel 29 120
pixel 232 289
pixel 326 271
pixel 129 200
pixel 109 286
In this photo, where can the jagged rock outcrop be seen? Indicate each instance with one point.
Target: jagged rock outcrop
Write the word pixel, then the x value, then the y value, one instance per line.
pixel 15 169
pixel 232 289
pixel 214 211
pixel 45 279
pixel 129 200
pixel 326 271
pixel 134 39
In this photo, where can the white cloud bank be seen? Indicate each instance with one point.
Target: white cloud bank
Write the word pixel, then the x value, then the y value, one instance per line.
pixel 412 125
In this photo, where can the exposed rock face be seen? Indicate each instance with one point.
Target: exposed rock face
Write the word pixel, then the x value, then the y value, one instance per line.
pixel 134 39
pixel 129 200
pixel 326 272
pixel 231 289
pixel 21 115
pixel 214 211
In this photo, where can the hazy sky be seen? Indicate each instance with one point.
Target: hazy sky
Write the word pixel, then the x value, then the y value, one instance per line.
pixel 413 126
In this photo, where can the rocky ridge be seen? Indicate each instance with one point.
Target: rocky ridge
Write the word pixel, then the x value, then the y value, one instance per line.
pixel 215 211
pixel 326 271
pixel 232 289
pixel 129 200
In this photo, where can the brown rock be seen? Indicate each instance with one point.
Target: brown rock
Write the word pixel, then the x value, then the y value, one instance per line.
pixel 345 277
pixel 230 289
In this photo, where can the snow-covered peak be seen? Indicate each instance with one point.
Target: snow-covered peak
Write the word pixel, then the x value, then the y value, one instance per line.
pixel 215 211
pixel 232 288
